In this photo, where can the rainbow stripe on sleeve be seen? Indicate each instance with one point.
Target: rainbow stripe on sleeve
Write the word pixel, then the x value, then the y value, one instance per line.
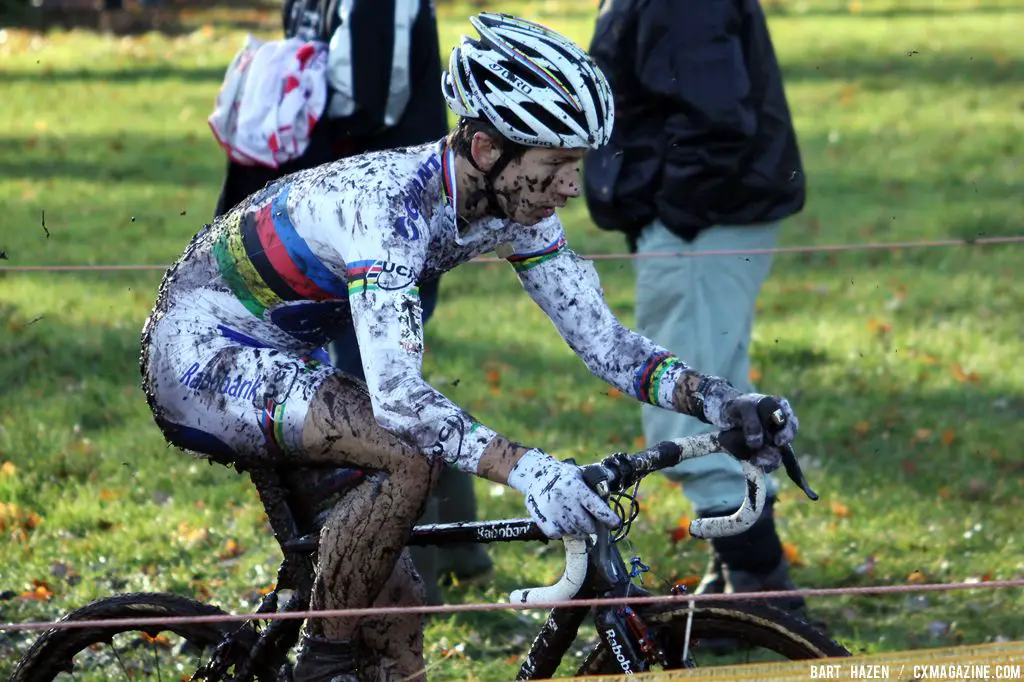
pixel 363 274
pixel 526 261
pixel 647 380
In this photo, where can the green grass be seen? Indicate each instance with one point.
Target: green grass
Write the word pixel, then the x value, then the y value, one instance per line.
pixel 904 366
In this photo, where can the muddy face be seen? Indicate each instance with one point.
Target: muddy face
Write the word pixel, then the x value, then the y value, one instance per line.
pixel 541 180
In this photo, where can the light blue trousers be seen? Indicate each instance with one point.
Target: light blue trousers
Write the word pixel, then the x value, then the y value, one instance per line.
pixel 702 309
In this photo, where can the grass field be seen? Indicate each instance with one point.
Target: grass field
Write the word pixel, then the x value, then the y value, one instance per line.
pixel 904 365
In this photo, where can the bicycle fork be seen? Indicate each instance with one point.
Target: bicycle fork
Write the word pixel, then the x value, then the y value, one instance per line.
pixel 629 640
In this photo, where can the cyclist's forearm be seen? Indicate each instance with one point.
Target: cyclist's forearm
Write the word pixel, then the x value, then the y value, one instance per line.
pixel 701 395
pixel 498 459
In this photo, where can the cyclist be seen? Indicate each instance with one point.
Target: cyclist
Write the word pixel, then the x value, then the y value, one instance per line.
pixel 347 243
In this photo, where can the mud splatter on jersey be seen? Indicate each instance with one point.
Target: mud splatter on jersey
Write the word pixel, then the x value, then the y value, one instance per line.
pixel 348 243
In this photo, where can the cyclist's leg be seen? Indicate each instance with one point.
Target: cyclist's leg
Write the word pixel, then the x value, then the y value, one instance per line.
pixel 367 531
pixel 398 638
pixel 245 404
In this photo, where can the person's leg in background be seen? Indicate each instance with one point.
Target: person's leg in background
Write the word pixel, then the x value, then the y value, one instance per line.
pixel 452 500
pixel 702 308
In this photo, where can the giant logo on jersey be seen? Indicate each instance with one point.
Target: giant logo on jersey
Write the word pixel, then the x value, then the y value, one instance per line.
pixel 217 380
pixel 412 199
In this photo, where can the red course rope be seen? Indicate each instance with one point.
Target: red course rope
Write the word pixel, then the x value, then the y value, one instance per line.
pixel 458 608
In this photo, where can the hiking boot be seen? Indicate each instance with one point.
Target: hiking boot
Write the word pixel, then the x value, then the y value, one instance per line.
pixel 752 561
pixel 776 580
pixel 324 660
pixel 720 579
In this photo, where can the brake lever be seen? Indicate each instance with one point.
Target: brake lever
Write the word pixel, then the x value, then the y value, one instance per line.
pixel 793 470
pixel 596 477
pixel 795 473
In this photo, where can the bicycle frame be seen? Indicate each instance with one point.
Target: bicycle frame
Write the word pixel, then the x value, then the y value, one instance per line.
pixel 605 574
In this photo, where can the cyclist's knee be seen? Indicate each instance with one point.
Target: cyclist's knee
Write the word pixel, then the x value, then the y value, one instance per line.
pixel 418 472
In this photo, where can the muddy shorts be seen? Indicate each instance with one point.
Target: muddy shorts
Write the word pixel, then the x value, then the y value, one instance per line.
pixel 224 395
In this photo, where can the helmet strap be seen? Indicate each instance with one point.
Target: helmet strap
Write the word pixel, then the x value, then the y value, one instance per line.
pixel 493 205
pixel 487 193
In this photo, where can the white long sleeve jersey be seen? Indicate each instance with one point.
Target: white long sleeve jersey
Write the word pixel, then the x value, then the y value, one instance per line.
pixel 348 243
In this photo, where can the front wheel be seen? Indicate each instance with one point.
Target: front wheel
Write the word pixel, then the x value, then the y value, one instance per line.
pixel 724 634
pixel 159 652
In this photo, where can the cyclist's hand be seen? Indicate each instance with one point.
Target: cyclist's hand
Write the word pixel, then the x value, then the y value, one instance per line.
pixel 766 438
pixel 557 497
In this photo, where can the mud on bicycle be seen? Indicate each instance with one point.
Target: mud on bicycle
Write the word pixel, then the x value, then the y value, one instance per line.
pixel 631 638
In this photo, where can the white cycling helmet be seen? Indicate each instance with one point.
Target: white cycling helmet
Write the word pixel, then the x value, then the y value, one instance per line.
pixel 535 86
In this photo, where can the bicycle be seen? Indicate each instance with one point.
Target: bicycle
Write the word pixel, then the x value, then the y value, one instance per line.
pixel 631 638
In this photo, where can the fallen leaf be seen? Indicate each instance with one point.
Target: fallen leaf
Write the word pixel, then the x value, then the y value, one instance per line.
pixel 792 554
pixel 17 520
pixel 189 535
pixel 945 493
pixel 689 582
pixel 755 375
pixel 862 428
pixel 615 393
pixel 158 639
pixel 493 377
pixel 960 375
pixel 879 327
pixel 848 95
pixel 948 436
pixel 917 578
pixel 921 435
pixel 231 549
pixel 107 495
pixel 40 592
pixel 681 531
pixel 639 443
pixel 841 510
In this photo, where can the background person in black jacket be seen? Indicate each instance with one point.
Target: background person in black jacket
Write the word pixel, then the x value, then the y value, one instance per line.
pixel 703 157
pixel 388 97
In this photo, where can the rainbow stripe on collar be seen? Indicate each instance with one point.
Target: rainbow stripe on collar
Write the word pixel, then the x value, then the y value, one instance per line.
pixel 448 186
